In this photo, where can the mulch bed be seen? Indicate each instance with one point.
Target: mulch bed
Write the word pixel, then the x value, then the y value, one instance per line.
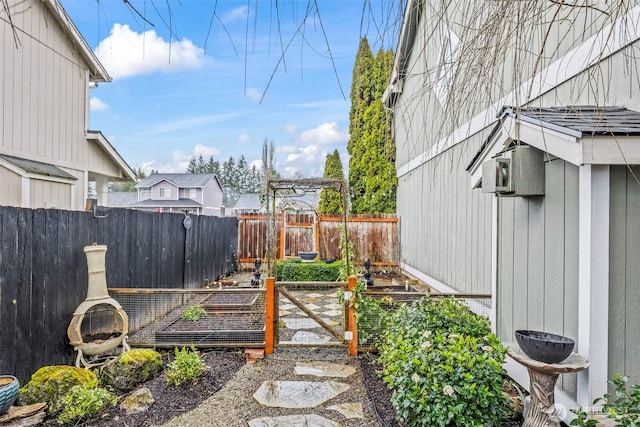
pixel 173 401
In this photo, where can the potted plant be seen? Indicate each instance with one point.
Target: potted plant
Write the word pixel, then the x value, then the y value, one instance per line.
pixel 9 386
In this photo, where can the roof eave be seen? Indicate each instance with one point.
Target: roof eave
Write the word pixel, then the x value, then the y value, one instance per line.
pixel 112 153
pixel 407 37
pixel 97 72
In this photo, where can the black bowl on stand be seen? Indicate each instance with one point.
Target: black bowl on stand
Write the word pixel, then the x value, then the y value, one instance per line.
pixel 544 347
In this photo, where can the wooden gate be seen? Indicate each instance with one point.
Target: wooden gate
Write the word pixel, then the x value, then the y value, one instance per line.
pixel 310 314
pixel 299 233
pixel 288 304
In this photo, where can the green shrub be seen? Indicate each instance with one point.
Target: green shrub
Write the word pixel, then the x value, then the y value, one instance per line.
pixel 187 366
pixel 623 406
pixel 51 383
pixel 82 403
pixel 194 313
pixel 444 366
pixel 293 270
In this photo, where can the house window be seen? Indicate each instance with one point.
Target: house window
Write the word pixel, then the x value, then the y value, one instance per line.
pixel 443 78
pixel 190 193
pixel 165 193
pixel 145 194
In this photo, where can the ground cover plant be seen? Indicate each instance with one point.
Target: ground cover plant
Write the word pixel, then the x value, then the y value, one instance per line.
pixel 194 313
pixel 443 365
pixel 623 406
pixel 187 366
pixel 83 403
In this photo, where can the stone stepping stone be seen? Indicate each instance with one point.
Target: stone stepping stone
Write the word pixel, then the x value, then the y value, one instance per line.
pixel 349 410
pixel 324 369
pixel 298 394
pixel 294 421
pixel 310 338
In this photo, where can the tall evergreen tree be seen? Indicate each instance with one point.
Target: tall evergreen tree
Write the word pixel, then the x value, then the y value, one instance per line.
pixel 372 175
pixel 330 199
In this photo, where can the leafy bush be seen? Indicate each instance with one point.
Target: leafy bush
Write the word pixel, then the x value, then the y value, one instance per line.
pixel 444 366
pixel 194 313
pixel 624 409
pixel 294 270
pixel 82 403
pixel 50 384
pixel 187 366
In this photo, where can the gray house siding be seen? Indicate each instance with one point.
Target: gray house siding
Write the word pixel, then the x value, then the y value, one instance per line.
pixel 212 198
pixel 538 260
pixel 445 229
pixel 624 273
pixel 171 190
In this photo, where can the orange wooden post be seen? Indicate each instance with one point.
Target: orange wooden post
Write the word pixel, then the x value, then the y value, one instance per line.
pixel 270 315
pixel 353 326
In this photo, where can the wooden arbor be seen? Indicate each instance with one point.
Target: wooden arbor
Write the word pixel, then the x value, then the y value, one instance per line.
pixel 281 189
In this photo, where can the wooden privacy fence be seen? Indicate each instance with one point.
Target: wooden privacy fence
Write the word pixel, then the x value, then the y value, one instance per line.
pixel 372 236
pixel 43 269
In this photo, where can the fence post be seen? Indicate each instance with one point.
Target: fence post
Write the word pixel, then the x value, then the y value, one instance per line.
pixel 270 315
pixel 353 326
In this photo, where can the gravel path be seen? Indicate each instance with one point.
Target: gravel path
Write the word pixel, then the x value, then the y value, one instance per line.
pixel 234 406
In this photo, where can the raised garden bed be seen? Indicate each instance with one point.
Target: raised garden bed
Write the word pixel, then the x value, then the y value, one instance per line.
pixel 222 329
pixel 218 302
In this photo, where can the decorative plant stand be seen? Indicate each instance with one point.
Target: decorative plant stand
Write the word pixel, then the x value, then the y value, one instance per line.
pixel 543 377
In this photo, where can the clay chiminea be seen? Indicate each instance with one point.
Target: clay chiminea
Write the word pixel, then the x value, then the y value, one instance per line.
pixel 99 324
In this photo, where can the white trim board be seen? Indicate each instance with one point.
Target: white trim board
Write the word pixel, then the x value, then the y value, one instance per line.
pixel 608 41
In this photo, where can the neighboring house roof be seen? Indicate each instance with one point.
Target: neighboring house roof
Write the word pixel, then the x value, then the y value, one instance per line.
pixel 306 201
pixel 120 199
pixel 99 138
pixel 181 203
pixel 249 201
pixel 97 72
pixel 38 168
pixel 182 180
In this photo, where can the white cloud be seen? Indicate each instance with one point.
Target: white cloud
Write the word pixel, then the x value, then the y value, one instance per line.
pixel 290 129
pixel 253 94
pixel 286 149
pixel 95 104
pixel 179 160
pixel 326 133
pixel 244 138
pixel 204 151
pixel 235 14
pixel 307 155
pixel 126 53
pixel 291 171
pixel 191 122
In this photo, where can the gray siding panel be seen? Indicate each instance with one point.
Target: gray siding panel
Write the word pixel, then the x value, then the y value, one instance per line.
pixel 446 226
pixel 617 271
pixel 624 288
pixel 535 288
pixel 505 269
pixel 554 247
pixel 538 260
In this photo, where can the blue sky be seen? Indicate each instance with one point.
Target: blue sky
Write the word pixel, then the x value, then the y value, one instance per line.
pixel 219 85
